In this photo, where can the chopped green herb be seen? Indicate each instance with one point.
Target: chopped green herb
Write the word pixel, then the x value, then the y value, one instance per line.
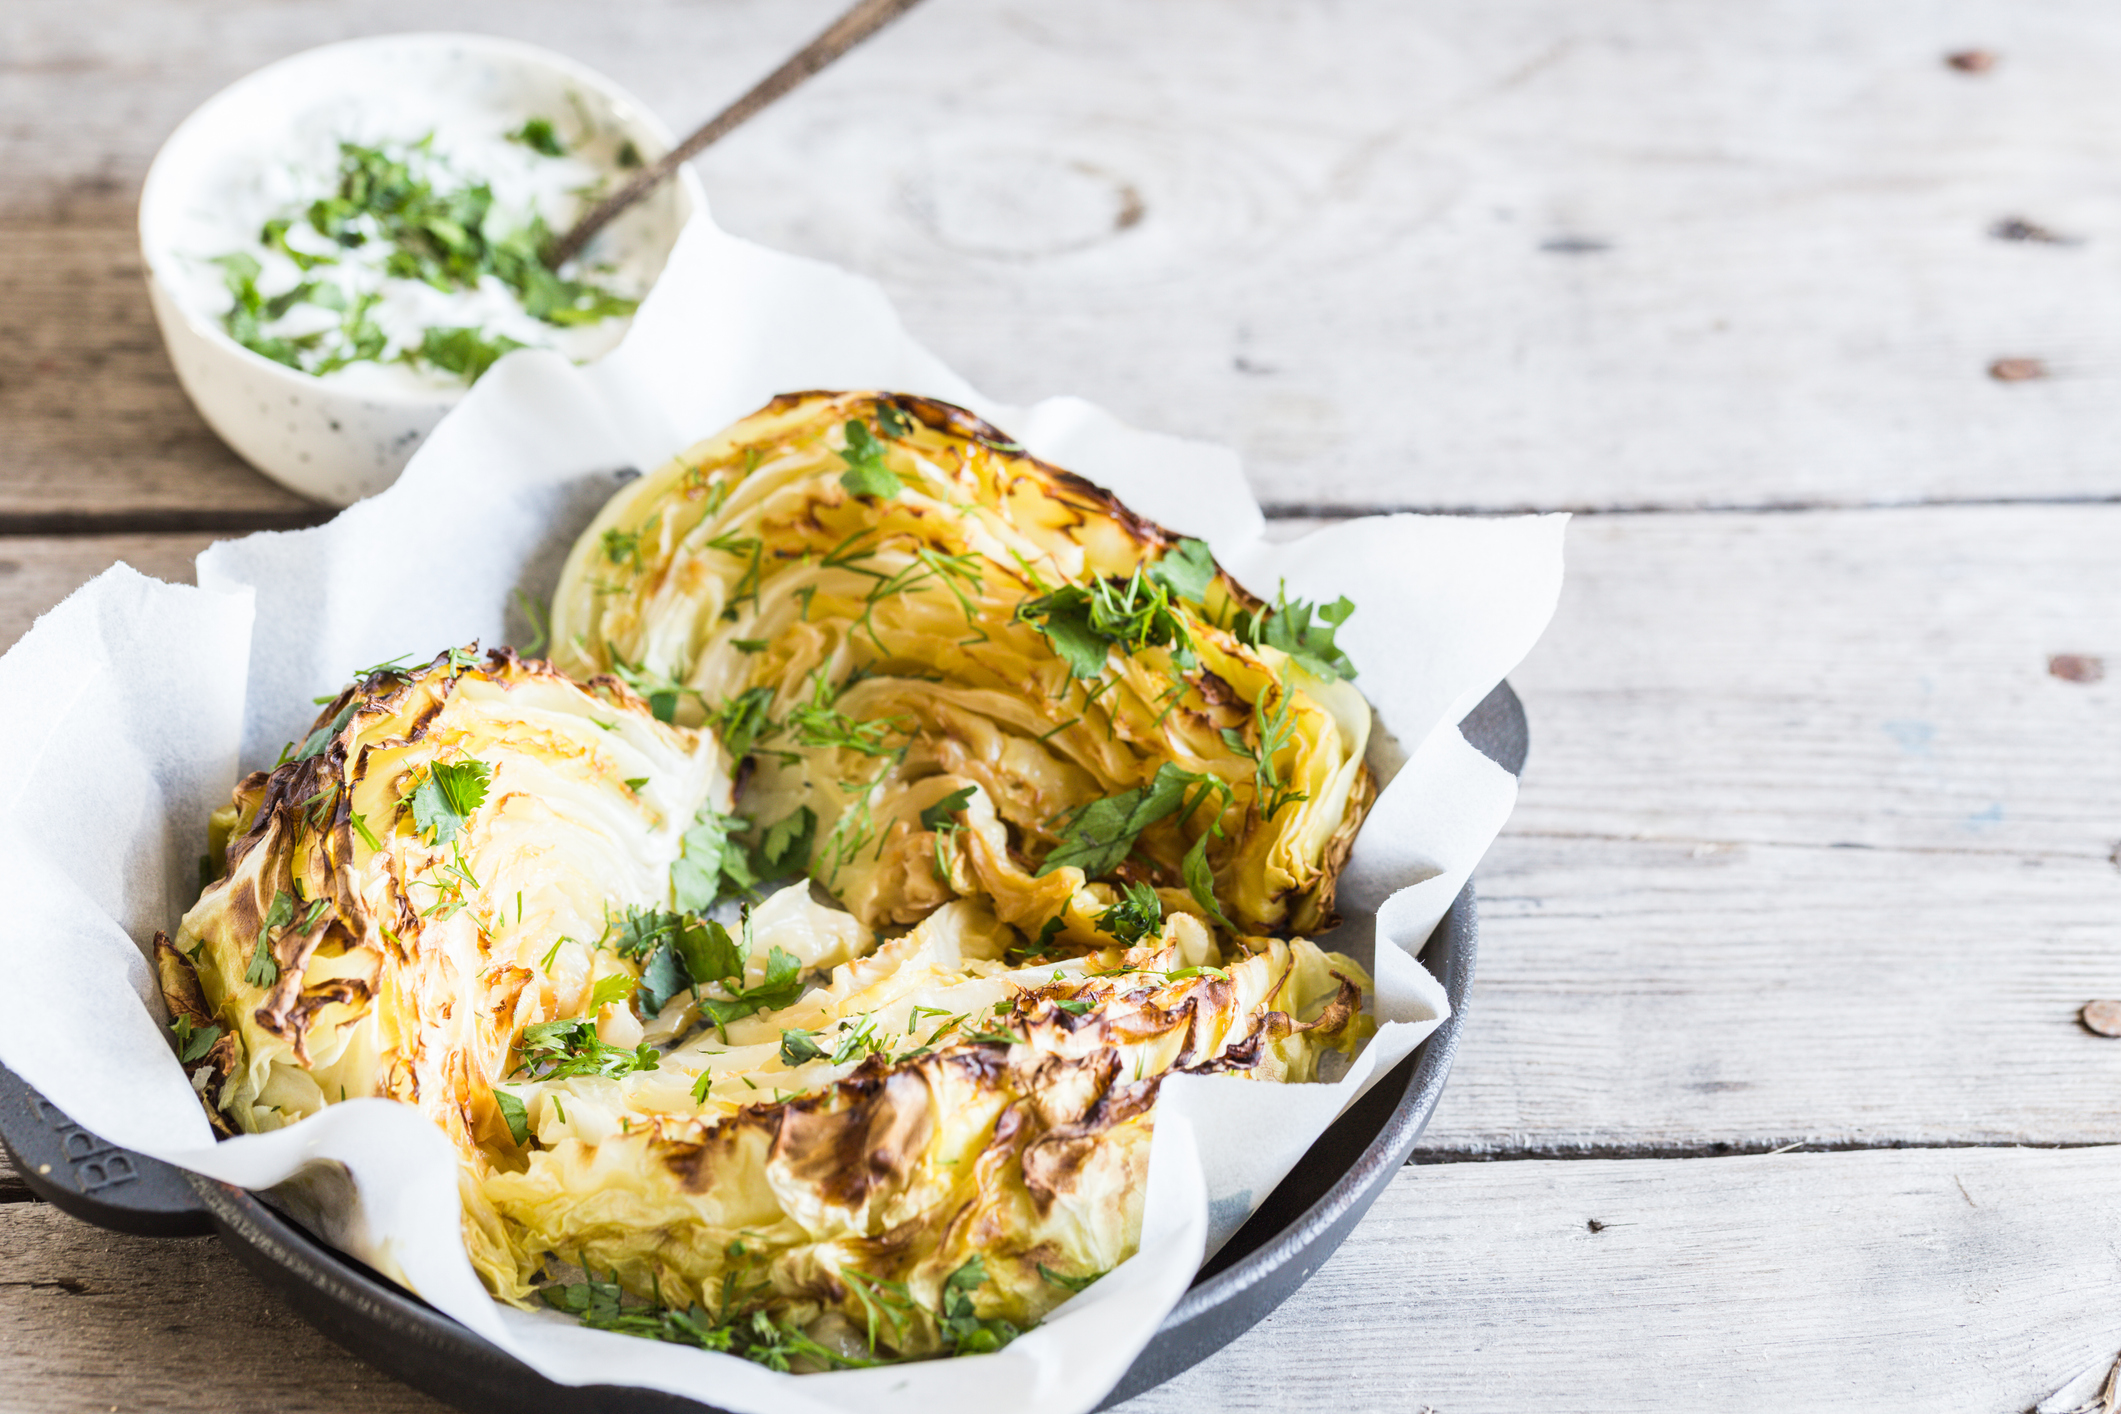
pixel 634 783
pixel 1186 570
pixel 784 849
pixel 741 720
pixel 515 1116
pixel 322 737
pixel 1275 731
pixel 961 1326
pixel 866 474
pixel 538 614
pixel 444 800
pixel 556 1050
pixel 1288 625
pixel 1200 882
pixel 545 962
pixel 537 135
pixel 615 988
pixel 943 814
pixel 1072 1283
pixel 1138 914
pixel 1098 836
pixel 701 1086
pixel 367 836
pixel 193 1042
pixel 797 1048
pixel 462 349
pixel 263 970
pixel 1084 625
pixel 750 645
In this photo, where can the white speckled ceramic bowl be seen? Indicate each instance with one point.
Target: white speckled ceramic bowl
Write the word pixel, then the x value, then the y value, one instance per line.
pixel 320 436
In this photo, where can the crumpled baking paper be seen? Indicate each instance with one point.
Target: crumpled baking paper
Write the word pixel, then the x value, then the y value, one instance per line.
pixel 132 708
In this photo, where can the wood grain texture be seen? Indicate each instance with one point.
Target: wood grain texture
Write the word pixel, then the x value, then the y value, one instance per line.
pixel 1451 255
pixel 1965 1281
pixel 1874 1282
pixel 36 572
pixel 93 1320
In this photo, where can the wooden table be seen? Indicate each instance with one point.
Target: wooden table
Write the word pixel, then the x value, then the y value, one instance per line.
pixel 1774 1094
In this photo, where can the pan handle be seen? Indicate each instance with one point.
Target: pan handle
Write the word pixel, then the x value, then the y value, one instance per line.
pixel 97 1182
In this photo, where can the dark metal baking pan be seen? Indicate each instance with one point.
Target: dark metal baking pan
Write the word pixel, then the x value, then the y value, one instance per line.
pixel 1288 1239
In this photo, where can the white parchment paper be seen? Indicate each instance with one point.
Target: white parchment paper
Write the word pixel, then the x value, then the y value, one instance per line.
pixel 133 707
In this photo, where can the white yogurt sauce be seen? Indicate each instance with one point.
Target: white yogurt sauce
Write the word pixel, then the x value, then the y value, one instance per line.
pixel 469 145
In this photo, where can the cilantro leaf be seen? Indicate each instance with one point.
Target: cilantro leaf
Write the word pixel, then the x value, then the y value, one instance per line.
pixel 783 983
pixel 1186 570
pixel 443 802
pixel 866 474
pixel 264 971
pixel 462 349
pixel 663 978
pixel 516 1117
pixel 943 814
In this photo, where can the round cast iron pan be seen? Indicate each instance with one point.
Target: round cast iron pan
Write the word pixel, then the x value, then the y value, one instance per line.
pixel 1290 1237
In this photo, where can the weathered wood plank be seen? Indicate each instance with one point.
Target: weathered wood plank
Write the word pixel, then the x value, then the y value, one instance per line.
pixel 1813 844
pixel 1872 1282
pixel 96 1320
pixel 1470 255
pixel 94 430
pixel 36 572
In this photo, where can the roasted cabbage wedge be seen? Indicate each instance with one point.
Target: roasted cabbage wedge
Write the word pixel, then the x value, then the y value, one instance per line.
pixel 797 972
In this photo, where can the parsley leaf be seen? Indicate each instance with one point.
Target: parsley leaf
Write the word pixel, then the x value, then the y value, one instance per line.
pixel 866 474
pixel 322 737
pixel 961 1326
pixel 742 720
pixel 1288 625
pixel 1200 882
pixel 193 1042
pixel 443 802
pixel 537 135
pixel 1186 570
pixel 614 988
pixel 557 1050
pixel 1138 914
pixel 264 971
pixel 1060 1279
pixel 1099 835
pixel 943 814
pixel 712 864
pixel 797 1047
pixel 462 349
pixel 516 1117
pixel 784 849
pixel 1082 624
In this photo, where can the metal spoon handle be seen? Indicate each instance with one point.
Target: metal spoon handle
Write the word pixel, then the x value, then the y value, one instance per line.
pixel 865 18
